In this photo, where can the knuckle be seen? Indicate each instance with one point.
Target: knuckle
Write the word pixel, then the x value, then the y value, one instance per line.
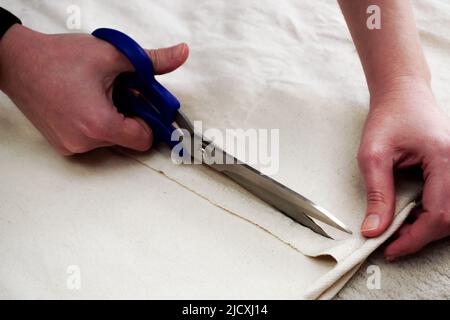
pixel 144 145
pixel 416 244
pixel 441 145
pixel 64 152
pixel 416 241
pixel 74 147
pixel 371 156
pixel 59 147
pixel 442 142
pixel 444 219
pixel 94 128
pixel 376 197
pixel 111 55
pixel 155 57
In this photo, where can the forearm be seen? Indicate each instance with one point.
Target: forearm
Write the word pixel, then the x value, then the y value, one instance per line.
pixel 391 56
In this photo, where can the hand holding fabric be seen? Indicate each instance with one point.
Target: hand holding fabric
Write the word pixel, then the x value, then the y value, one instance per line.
pixel 405 127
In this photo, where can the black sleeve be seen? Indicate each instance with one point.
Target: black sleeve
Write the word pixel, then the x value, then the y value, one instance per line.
pixel 7 20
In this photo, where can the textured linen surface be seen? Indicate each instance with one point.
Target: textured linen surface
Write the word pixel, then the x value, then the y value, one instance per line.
pixel 140 226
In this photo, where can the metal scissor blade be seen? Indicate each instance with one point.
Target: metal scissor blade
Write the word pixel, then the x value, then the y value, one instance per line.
pixel 289 202
pixel 258 185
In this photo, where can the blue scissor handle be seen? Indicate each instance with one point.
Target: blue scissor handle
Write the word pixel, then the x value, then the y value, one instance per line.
pixel 161 114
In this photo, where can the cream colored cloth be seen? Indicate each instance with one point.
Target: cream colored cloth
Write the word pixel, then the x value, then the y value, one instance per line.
pixel 139 226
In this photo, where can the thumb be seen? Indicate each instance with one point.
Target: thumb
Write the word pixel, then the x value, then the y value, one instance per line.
pixel 379 180
pixel 168 59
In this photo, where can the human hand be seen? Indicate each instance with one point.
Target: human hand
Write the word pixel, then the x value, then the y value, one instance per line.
pixel 63 84
pixel 405 127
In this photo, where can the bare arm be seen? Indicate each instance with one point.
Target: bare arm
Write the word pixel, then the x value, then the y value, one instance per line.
pixel 404 127
pixel 392 52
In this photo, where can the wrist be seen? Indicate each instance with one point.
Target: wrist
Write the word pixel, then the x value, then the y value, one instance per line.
pixel 398 86
pixel 398 73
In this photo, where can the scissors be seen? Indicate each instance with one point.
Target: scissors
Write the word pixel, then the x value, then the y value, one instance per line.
pixel 139 94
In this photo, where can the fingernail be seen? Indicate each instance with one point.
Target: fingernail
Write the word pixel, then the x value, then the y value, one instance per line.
pixel 180 50
pixel 372 222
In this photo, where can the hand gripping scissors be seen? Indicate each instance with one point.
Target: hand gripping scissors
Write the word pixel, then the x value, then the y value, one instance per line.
pixel 139 94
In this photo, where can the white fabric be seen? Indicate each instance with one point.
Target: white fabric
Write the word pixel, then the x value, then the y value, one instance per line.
pixel 190 233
